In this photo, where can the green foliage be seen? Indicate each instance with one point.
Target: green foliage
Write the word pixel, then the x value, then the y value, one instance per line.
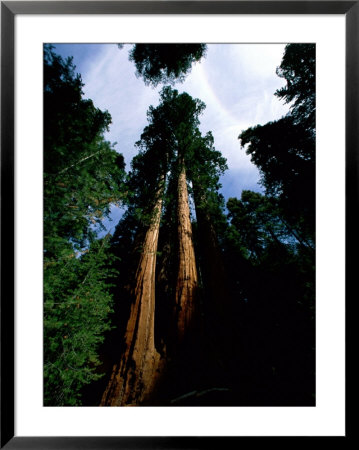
pixel 287 167
pixel 284 150
pixel 170 132
pixel 83 176
pixel 76 309
pixel 204 163
pixel 180 113
pixel 298 69
pixel 256 226
pixel 165 63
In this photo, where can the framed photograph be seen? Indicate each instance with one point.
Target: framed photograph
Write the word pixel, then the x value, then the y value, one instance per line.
pixel 175 184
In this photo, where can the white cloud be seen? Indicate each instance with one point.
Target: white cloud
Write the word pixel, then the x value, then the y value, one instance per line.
pixel 237 83
pixel 110 82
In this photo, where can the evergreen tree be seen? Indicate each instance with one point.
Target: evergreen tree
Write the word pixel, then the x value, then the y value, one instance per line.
pixel 287 165
pixel 272 238
pixel 257 219
pixel 76 315
pixel 166 153
pixel 205 166
pixel 298 70
pixel 207 308
pixel 83 176
pixel 165 63
pixel 133 378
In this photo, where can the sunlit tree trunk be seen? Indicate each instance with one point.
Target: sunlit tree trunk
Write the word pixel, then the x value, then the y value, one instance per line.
pixel 133 379
pixel 187 278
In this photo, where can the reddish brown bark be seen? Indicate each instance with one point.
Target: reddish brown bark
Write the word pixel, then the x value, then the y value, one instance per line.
pixel 133 379
pixel 187 279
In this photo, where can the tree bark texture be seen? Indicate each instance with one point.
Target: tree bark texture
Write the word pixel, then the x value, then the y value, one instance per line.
pixel 133 379
pixel 187 278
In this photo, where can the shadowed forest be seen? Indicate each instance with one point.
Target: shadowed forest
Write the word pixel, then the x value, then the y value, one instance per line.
pixel 195 299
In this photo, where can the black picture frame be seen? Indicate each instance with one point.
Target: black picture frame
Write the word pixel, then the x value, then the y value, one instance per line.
pixel 9 9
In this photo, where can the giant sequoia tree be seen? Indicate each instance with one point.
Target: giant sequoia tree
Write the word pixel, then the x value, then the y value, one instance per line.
pixel 193 304
pixel 134 376
pixel 172 154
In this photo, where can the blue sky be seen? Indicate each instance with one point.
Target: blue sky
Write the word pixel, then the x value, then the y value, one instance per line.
pixel 236 82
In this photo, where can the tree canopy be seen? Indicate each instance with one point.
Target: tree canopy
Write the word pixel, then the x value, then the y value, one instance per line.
pixel 165 63
pixel 284 150
pixel 298 70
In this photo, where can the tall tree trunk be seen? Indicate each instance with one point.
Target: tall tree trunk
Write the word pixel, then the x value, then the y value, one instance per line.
pixel 187 278
pixel 133 379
